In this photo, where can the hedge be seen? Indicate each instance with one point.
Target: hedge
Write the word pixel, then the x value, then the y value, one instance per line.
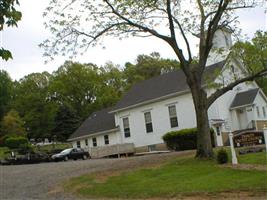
pixel 184 139
pixel 16 142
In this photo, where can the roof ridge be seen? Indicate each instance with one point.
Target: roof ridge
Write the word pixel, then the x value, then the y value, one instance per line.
pixel 176 70
pixel 159 86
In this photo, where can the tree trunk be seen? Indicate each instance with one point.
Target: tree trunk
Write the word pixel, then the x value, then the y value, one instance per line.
pixel 204 146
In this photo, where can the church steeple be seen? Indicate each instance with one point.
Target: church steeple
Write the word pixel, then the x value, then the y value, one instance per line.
pixel 222 42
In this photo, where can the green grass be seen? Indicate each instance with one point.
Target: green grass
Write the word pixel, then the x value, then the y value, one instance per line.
pixel 183 176
pixel 253 158
pixel 3 151
pixel 250 158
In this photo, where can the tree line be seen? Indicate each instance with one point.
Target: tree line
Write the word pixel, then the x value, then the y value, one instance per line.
pixel 49 105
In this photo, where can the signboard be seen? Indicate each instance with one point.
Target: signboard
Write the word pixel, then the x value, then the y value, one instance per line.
pixel 251 138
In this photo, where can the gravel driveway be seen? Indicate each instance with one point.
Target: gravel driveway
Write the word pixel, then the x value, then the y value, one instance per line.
pixel 40 181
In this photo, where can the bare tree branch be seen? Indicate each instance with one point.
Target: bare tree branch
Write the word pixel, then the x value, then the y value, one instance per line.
pixel 185 39
pixel 229 87
pixel 201 9
pixel 230 9
pixel 170 18
pixel 94 37
pixel 144 28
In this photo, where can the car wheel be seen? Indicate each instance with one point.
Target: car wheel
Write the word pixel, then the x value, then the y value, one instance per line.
pixel 66 158
pixel 84 157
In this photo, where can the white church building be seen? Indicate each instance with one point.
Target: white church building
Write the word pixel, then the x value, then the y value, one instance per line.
pixel 164 103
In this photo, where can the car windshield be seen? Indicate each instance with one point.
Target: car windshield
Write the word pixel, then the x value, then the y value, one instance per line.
pixel 66 151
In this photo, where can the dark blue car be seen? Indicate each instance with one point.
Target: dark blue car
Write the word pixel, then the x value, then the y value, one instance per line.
pixel 71 153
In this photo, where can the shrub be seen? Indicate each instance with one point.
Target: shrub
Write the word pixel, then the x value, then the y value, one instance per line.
pixel 4 138
pixel 25 148
pixel 15 142
pixel 184 139
pixel 222 156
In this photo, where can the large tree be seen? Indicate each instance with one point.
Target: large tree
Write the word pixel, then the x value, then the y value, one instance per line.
pixel 75 85
pixel 79 24
pixel 112 85
pixel 65 123
pixel 85 88
pixel 32 102
pixel 254 55
pixel 148 66
pixel 12 124
pixel 6 86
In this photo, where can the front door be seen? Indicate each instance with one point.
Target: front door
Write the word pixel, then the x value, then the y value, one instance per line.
pixel 242 118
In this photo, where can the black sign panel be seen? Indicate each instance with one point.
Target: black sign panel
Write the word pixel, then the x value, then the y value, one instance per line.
pixel 251 138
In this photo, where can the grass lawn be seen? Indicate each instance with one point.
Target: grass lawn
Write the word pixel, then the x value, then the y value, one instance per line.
pixel 180 177
pixel 2 152
pixel 250 158
pixel 253 158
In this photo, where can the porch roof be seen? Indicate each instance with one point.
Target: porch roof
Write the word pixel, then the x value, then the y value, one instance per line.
pixel 244 98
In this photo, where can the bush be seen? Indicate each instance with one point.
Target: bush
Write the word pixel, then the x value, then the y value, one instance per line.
pixel 222 156
pixel 184 139
pixel 16 142
pixel 25 148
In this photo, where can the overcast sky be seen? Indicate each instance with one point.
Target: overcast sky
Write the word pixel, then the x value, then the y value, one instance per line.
pixel 23 42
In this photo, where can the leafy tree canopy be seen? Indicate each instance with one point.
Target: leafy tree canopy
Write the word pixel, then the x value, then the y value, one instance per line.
pixel 31 101
pixel 148 66
pixel 75 85
pixel 12 124
pixel 9 16
pixel 6 86
pixel 65 123
pixel 254 55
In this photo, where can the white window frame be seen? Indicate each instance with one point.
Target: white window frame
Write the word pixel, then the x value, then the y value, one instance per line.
pixel 173 116
pixel 94 141
pixel 264 111
pixel 258 111
pixel 126 127
pixel 78 144
pixel 148 122
pixel 106 139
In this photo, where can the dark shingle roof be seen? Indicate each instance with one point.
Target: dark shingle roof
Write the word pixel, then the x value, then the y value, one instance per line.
pixel 97 122
pixel 159 86
pixel 244 98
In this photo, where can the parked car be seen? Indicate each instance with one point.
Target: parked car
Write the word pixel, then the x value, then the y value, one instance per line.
pixel 29 158
pixel 71 153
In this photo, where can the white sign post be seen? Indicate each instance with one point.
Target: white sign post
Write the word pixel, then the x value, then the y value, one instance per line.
pixel 265 137
pixel 234 158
